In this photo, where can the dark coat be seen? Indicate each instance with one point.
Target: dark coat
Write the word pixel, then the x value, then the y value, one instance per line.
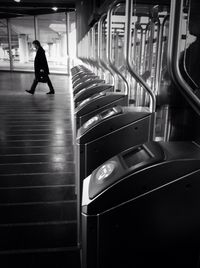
pixel 40 62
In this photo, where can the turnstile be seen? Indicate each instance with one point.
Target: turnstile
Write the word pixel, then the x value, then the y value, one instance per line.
pixel 141 208
pixel 109 132
pixel 79 69
pixel 97 103
pixel 82 74
pixel 91 90
pixel 83 79
pixel 106 134
pixel 84 84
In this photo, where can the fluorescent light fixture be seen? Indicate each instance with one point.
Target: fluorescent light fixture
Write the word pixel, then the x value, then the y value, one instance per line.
pixel 17 1
pixel 55 8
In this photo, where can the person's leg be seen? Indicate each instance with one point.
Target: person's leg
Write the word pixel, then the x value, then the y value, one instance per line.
pixel 32 90
pixel 50 86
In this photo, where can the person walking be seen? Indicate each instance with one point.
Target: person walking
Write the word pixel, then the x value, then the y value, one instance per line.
pixel 41 69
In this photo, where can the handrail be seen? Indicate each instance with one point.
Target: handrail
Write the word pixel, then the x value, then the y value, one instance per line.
pixel 109 46
pixel 127 49
pixel 184 60
pixel 173 53
pixel 102 63
pixel 95 60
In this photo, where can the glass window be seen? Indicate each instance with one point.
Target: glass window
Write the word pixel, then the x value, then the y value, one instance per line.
pixel 50 31
pixel 4 48
pixel 72 37
pixel 52 35
pixel 22 36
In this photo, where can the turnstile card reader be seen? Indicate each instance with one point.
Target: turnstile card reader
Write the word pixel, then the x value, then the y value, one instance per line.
pixel 87 83
pixel 81 78
pixel 91 90
pixel 110 132
pixel 142 207
pixel 96 104
pixel 84 79
pixel 83 75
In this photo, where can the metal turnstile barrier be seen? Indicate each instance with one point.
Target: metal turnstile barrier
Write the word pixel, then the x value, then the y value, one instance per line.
pixel 141 207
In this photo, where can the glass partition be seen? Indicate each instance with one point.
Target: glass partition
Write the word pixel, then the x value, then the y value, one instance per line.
pixel 4 48
pixel 52 35
pixel 22 36
pixel 51 30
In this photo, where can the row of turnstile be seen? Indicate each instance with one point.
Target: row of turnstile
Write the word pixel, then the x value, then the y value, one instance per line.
pixel 138 200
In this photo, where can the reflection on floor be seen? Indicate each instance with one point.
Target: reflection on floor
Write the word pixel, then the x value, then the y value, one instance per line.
pixel 37 192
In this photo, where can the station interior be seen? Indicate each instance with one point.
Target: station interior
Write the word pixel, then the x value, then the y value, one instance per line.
pixel 105 172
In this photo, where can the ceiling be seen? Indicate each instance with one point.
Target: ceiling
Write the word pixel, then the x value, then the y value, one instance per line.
pixel 10 8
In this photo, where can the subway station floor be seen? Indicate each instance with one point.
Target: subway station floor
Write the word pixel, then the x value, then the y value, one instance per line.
pixel 38 223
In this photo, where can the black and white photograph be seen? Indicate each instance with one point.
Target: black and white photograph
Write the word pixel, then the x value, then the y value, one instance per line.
pixel 99 133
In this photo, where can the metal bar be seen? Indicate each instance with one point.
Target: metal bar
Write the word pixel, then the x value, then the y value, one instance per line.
pixel 103 63
pixel 173 53
pixel 96 43
pixel 157 57
pixel 127 49
pixel 152 27
pixel 99 49
pixel 141 50
pixel 160 51
pixel 109 48
pixel 146 48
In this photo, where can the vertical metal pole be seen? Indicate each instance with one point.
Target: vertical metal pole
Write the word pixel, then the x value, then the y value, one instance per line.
pixel 92 55
pixel 141 49
pixel 36 27
pixel 146 48
pixel 67 43
pixel 157 56
pixel 109 50
pixel 9 44
pixel 160 51
pixel 102 50
pixel 127 55
pixel 150 63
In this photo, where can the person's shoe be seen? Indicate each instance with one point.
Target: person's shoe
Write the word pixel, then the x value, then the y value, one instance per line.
pixel 51 92
pixel 29 91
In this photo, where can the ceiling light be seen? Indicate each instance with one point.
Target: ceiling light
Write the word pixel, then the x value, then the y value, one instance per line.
pixel 55 8
pixel 17 1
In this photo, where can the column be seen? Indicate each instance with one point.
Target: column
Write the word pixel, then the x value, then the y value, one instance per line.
pixel 63 47
pixel 36 32
pixel 9 44
pixel 23 48
pixel 58 48
pixel 67 40
pixel 51 52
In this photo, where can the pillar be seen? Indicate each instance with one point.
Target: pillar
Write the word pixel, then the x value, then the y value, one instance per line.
pixel 51 52
pixel 9 44
pixel 23 48
pixel 58 48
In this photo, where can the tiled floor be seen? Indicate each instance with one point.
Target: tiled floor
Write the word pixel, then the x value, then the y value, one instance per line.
pixel 38 226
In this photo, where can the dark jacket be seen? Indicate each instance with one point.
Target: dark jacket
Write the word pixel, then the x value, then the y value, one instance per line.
pixel 40 62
